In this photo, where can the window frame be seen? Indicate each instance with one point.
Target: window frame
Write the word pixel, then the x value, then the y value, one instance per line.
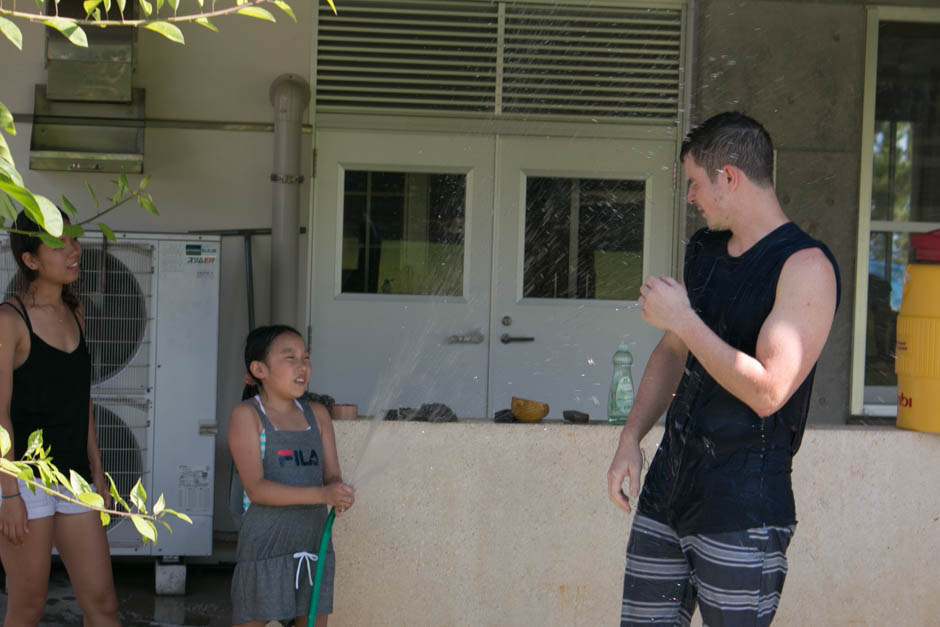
pixel 876 15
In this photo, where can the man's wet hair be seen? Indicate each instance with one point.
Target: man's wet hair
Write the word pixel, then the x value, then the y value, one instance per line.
pixel 732 139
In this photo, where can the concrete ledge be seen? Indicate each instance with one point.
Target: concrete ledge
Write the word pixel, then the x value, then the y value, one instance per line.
pixel 476 523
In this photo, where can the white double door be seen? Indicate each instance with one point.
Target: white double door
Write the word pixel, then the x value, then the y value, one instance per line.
pixel 465 270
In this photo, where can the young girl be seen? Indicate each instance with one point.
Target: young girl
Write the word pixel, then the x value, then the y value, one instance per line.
pixel 45 383
pixel 285 453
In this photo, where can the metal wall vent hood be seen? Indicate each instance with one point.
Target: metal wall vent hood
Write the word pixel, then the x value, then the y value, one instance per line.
pixel 89 117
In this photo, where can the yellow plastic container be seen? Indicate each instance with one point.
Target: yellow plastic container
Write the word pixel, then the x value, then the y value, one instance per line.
pixel 917 361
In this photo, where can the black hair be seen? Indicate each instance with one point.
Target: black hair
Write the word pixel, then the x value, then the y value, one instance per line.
pixel 732 138
pixel 21 243
pixel 257 346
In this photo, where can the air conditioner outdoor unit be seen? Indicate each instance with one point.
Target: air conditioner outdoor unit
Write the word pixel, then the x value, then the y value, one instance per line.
pixel 151 317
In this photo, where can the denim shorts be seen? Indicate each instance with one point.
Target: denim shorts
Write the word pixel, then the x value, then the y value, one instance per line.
pixel 42 504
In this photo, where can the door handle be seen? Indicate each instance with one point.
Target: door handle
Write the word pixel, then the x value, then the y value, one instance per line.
pixel 505 338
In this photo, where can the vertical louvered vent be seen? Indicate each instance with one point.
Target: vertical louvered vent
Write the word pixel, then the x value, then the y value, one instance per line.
pixel 513 60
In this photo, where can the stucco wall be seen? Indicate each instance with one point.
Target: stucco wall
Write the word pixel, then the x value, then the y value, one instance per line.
pixel 489 524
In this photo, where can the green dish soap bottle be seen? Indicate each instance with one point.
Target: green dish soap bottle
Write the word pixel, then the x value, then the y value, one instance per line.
pixel 620 401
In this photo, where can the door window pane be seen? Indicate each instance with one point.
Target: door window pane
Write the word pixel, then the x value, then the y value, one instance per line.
pixel 583 238
pixel 403 233
pixel 906 165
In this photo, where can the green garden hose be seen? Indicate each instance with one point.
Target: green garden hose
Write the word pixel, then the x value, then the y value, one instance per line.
pixel 321 564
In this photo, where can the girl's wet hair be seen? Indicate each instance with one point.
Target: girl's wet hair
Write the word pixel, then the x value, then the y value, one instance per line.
pixel 21 243
pixel 257 346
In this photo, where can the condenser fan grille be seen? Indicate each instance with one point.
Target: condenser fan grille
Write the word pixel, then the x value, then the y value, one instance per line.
pixel 115 293
pixel 121 426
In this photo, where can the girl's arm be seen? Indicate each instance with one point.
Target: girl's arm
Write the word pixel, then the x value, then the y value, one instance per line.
pixel 13 522
pixel 243 440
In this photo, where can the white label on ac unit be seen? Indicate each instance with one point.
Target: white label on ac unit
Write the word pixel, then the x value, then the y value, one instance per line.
pixel 172 257
pixel 194 494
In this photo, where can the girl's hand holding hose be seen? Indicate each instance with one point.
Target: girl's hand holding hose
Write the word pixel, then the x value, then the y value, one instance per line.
pixel 340 495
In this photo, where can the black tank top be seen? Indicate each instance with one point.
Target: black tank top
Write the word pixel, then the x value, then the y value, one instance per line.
pixel 720 466
pixel 51 390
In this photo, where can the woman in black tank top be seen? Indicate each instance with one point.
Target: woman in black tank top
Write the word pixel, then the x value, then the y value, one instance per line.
pixel 45 383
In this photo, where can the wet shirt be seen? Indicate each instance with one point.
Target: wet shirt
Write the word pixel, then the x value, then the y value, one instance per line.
pixel 720 467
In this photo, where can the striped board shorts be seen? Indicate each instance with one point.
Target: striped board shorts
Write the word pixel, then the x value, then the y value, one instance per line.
pixel 734 578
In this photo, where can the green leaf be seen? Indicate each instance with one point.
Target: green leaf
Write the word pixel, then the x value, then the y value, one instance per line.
pixel 122 182
pixel 146 6
pixel 78 483
pixel 97 14
pixel 7 210
pixel 105 519
pixel 149 206
pixel 51 216
pixel 93 197
pixel 26 474
pixel 59 477
pixel 121 4
pixel 4 441
pixel 108 233
pixel 73 230
pixel 139 497
pixel 107 5
pixel 51 242
pixel 6 118
pixel 70 29
pixel 6 157
pixel 44 474
pixel 90 498
pixel 204 21
pixel 12 32
pixel 174 4
pixel 201 2
pixel 68 207
pixel 33 443
pixel 332 6
pixel 179 515
pixel 258 12
pixel 90 6
pixel 159 5
pixel 170 31
pixel 8 169
pixel 115 494
pixel 145 528
pixel 283 6
pixel 144 182
pixel 21 195
pixel 159 506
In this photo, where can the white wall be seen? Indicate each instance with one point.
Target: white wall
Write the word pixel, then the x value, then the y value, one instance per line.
pixel 201 179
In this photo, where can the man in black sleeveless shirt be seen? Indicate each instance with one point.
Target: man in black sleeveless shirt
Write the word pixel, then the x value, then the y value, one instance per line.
pixel 735 371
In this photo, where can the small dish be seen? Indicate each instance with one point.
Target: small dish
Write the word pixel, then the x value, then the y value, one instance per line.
pixel 525 410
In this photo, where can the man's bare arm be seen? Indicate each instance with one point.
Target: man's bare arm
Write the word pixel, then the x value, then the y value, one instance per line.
pixel 660 380
pixel 790 340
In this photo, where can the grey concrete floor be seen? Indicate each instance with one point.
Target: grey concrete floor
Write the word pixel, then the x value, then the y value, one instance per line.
pixel 205 604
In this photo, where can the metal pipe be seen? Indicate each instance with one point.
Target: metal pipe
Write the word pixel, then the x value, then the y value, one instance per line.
pixel 290 95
